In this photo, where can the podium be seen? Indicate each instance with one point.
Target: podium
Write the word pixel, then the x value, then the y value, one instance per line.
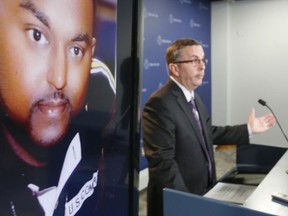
pixel 275 181
pixel 177 203
pixel 251 160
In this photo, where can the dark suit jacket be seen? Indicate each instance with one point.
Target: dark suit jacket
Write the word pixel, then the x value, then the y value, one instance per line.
pixel 173 145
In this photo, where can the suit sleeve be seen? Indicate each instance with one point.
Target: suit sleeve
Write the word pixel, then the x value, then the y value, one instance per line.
pixel 159 145
pixel 237 134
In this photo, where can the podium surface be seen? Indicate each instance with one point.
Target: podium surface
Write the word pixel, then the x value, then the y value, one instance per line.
pixel 275 181
pixel 271 161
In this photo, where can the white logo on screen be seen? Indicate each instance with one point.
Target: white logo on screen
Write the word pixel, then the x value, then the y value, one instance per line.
pixel 148 64
pixel 204 45
pixel 194 24
pixel 74 205
pixel 202 6
pixel 185 1
pixel 161 41
pixel 147 13
pixel 172 19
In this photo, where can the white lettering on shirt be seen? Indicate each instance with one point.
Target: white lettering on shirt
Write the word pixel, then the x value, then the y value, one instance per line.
pixel 73 206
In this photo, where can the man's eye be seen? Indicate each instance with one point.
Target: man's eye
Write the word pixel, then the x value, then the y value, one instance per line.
pixel 76 51
pixel 37 36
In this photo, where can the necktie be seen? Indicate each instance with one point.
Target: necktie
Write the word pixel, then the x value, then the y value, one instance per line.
pixel 197 117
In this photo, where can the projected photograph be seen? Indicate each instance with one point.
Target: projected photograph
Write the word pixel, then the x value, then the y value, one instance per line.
pixel 57 109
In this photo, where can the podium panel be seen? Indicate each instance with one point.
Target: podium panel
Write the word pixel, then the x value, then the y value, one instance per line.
pixel 271 162
pixel 185 204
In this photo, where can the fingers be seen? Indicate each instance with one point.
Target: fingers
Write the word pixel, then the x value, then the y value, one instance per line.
pixel 252 111
pixel 269 120
pixel 251 116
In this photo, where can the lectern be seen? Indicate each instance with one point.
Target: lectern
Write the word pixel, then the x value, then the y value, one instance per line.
pixel 177 203
pixel 270 163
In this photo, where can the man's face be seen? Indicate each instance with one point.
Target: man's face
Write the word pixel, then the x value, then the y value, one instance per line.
pixel 190 74
pixel 46 51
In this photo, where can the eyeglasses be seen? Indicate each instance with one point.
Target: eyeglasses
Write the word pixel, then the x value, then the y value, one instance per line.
pixel 195 62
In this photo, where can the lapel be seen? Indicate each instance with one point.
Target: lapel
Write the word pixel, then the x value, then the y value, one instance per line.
pixel 185 107
pixel 202 115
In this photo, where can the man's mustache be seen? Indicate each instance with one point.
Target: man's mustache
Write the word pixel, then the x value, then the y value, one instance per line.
pixel 56 98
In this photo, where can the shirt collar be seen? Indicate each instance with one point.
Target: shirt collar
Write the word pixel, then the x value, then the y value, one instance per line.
pixel 188 95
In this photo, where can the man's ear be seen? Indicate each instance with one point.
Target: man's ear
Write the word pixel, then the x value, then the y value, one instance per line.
pixel 93 45
pixel 173 68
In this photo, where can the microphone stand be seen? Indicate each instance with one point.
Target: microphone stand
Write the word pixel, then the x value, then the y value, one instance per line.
pixel 263 103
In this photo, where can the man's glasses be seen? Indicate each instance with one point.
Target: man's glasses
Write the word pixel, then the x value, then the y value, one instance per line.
pixel 194 62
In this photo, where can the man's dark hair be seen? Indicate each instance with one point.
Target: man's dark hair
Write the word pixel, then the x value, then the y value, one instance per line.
pixel 173 52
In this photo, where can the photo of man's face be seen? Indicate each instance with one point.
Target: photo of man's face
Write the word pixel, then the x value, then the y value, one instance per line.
pixel 44 64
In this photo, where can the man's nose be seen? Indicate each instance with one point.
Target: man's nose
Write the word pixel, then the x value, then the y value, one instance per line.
pixel 57 74
pixel 202 64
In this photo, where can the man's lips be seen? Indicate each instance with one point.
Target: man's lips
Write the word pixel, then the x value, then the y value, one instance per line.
pixel 53 108
pixel 200 76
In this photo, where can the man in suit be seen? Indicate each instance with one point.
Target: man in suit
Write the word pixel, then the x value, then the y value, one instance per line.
pixel 178 136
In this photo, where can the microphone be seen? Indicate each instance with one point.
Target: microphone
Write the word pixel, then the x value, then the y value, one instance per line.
pixel 263 103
